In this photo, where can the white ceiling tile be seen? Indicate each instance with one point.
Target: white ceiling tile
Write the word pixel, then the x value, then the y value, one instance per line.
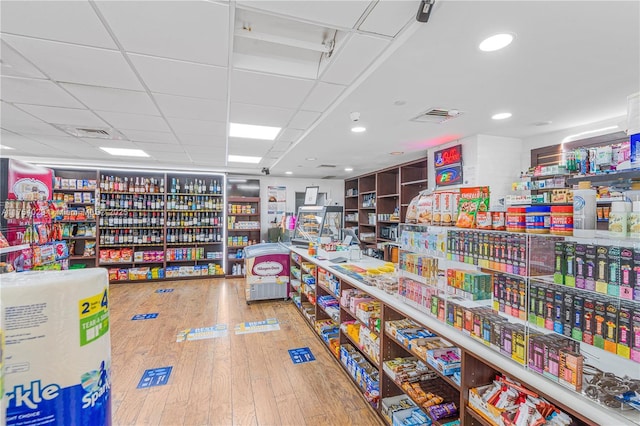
pixel 62 142
pixel 134 121
pixel 290 135
pixel 203 140
pixel 68 21
pixel 182 78
pixel 77 64
pixel 342 14
pixel 149 136
pixel 353 59
pixel 28 128
pixel 118 100
pixel 303 119
pixel 389 17
pixel 187 30
pixel 96 143
pixel 281 146
pixel 31 147
pixel 37 92
pixel 322 96
pixel 69 116
pixel 252 147
pixel 175 156
pixel 13 140
pixel 262 89
pixel 212 128
pixel 192 108
pixel 11 114
pixel 159 147
pixel 260 115
pixel 15 65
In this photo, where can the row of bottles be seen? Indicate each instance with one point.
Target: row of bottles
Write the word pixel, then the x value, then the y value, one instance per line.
pixel 131 236
pixel 141 185
pixel 193 219
pixel 128 202
pixel 195 186
pixel 198 202
pixel 238 269
pixel 132 219
pixel 194 235
pixel 369 200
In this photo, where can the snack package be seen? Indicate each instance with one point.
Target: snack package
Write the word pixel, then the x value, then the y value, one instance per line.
pixel 425 209
pixel 472 200
pixel 61 249
pixel 412 210
pixel 89 249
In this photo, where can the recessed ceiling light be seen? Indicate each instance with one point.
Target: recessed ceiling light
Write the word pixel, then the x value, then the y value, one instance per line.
pixel 5 147
pixel 348 169
pixel 542 123
pixel 311 158
pixel 396 153
pixel 400 102
pixel 496 42
pixel 358 129
pixel 243 159
pixel 501 115
pixel 124 152
pixel 288 173
pixel 251 131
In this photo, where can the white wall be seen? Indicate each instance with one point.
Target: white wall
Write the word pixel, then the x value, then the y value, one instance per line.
pixel 334 188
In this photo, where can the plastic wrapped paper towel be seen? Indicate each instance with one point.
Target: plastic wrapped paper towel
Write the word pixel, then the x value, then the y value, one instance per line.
pixel 57 354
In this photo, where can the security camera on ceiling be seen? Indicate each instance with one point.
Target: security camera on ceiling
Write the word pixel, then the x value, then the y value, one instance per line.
pixel 265 170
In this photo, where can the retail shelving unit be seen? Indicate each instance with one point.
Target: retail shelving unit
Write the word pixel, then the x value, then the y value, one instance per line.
pixel 377 202
pixel 243 229
pixel 480 362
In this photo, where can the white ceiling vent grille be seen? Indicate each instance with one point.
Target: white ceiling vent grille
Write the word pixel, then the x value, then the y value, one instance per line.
pixel 91 132
pixel 326 166
pixel 436 115
pixel 328 177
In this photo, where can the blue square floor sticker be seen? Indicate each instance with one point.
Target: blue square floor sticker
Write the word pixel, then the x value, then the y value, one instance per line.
pixel 164 290
pixel 144 316
pixel 155 377
pixel 301 355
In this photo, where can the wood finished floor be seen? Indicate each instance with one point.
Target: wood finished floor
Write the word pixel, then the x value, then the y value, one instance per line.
pixel 236 380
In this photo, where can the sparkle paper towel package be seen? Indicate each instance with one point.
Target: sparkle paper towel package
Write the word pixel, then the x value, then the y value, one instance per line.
pixel 57 355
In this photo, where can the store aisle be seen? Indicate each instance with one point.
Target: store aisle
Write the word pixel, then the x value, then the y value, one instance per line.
pixel 234 380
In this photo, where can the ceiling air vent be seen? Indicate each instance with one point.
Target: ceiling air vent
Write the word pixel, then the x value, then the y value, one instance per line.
pixel 436 115
pixel 328 177
pixel 91 132
pixel 326 166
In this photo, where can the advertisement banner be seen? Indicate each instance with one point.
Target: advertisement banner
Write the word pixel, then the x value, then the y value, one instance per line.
pixel 28 182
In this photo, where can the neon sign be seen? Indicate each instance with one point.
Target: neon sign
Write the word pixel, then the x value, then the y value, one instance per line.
pixel 448 156
pixel 449 176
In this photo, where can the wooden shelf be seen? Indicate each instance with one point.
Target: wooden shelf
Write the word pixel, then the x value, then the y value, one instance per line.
pixel 75 221
pixel 130 227
pixel 192 260
pixel 243 214
pixel 78 257
pixel 413 182
pixel 11 249
pixel 72 190
pixel 367 192
pixel 244 230
pixel 191 211
pixel 194 244
pixel 79 238
pixel 159 194
pixel 388 196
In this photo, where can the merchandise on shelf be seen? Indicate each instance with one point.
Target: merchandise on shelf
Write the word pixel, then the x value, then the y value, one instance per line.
pixel 195 186
pixel 241 209
pixel 505 401
pixel 74 197
pixel 63 183
pixel 140 185
pixel 363 373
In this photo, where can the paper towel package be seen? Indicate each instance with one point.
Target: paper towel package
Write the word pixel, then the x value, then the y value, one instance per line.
pixel 57 356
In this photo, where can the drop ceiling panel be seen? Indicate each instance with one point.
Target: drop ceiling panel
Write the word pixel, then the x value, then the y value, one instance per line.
pixel 281 145
pixel 182 78
pixel 263 56
pixel 68 21
pixel 353 59
pixel 304 119
pixel 15 65
pixel 81 64
pixel 260 115
pixel 28 128
pixel 30 147
pixel 212 128
pixel 150 136
pixel 96 143
pixel 13 140
pixel 117 100
pixel 173 157
pixel 37 92
pixel 158 147
pixel 290 135
pixel 322 96
pixel 189 139
pixel 69 116
pixel 389 17
pixel 134 121
pixel 338 14
pixel 251 147
pixel 192 108
pixel 187 30
pixel 271 90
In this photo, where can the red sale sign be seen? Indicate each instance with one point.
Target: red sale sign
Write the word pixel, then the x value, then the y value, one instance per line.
pixel 29 182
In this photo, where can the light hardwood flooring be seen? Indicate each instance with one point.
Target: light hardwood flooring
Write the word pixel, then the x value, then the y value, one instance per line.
pixel 235 380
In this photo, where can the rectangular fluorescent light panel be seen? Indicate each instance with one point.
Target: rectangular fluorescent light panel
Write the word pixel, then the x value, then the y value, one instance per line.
pixel 5 147
pixel 244 159
pixel 250 131
pixel 124 152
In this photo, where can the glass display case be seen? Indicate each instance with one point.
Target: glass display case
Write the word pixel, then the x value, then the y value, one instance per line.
pixel 318 224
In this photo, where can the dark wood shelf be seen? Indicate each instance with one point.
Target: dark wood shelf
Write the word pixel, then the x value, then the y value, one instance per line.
pixel 79 257
pixel 194 244
pixel 79 238
pixel 72 190
pixel 244 230
pixel 243 214
pixel 388 196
